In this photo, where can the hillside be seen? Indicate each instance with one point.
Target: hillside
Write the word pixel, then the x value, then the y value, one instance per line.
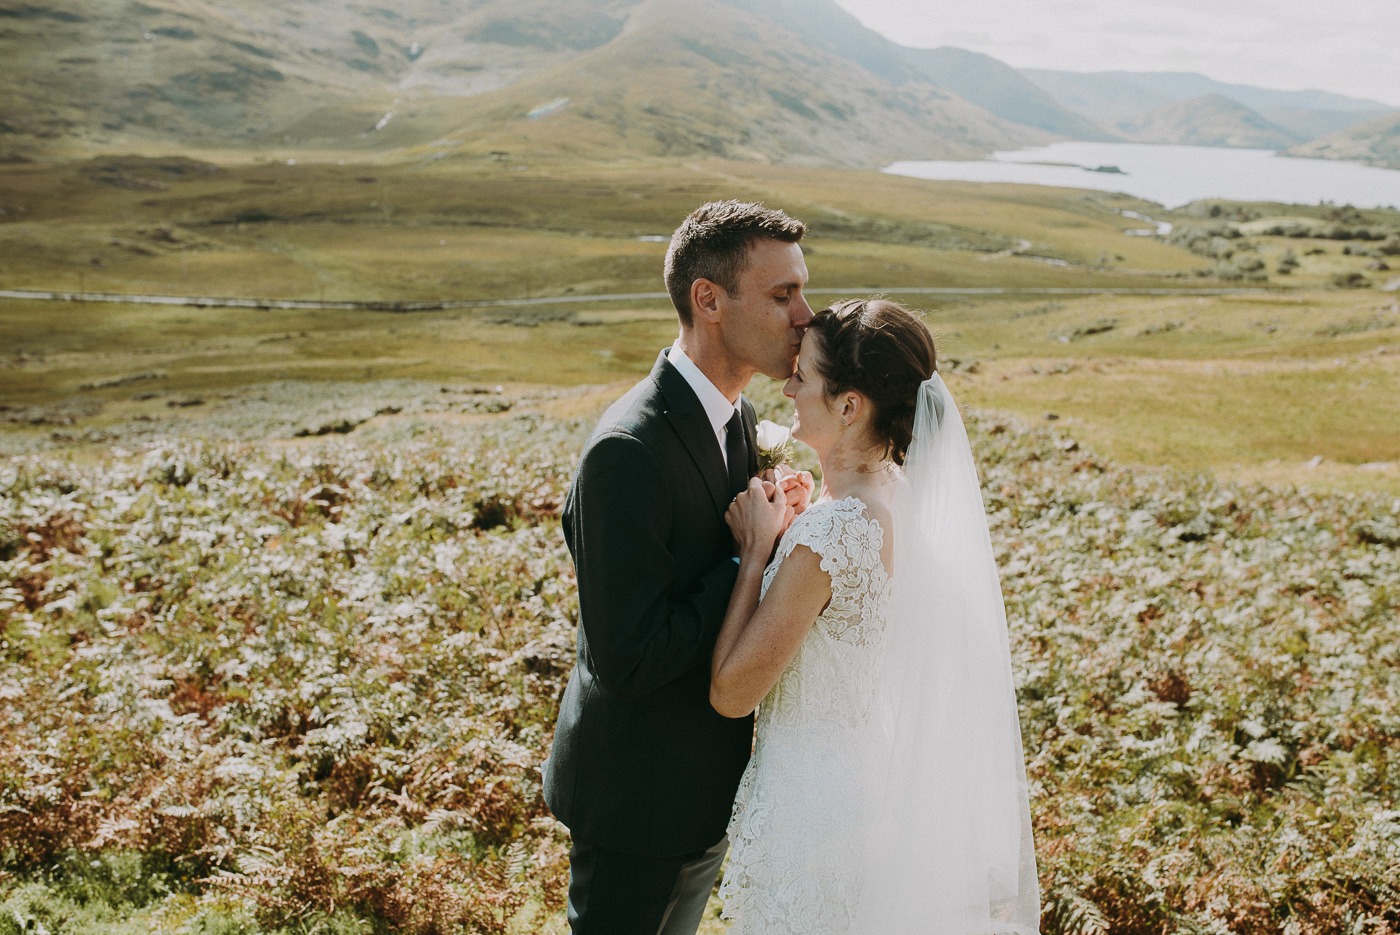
pixel 1180 86
pixel 793 81
pixel 1376 143
pixel 1211 120
pixel 755 79
pixel 673 84
pixel 1110 96
pixel 105 75
pixel 1311 124
pixel 314 679
pixel 1002 90
pixel 1142 99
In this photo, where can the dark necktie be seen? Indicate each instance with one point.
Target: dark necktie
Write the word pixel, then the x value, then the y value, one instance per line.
pixel 736 450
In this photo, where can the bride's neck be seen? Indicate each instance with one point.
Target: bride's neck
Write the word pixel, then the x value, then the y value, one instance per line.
pixel 855 476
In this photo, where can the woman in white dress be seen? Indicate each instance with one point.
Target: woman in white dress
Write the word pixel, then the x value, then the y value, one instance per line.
pixel 887 792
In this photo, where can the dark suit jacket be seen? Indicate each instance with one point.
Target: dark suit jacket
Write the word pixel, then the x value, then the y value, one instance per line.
pixel 641 762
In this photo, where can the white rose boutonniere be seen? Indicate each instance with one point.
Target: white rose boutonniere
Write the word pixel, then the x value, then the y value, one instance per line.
pixel 774 445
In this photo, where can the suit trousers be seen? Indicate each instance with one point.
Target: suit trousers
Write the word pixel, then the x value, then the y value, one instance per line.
pixel 623 894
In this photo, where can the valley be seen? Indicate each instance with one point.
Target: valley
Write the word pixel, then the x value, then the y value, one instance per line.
pixel 1046 303
pixel 307 308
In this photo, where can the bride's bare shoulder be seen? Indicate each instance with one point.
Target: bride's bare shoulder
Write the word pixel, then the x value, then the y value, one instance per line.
pixel 877 506
pixel 876 502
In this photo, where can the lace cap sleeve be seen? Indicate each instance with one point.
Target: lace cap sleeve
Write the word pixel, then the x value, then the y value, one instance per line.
pixel 846 540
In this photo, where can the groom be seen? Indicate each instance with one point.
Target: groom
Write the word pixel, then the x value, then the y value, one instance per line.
pixel 642 770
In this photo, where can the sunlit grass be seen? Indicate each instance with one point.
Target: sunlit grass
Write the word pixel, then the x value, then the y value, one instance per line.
pixel 1254 386
pixel 1250 387
pixel 292 685
pixel 1240 421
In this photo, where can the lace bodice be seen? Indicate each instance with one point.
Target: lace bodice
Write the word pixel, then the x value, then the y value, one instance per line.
pixel 822 687
pixel 792 828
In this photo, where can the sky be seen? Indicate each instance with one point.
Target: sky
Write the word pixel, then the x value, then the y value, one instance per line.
pixel 1348 47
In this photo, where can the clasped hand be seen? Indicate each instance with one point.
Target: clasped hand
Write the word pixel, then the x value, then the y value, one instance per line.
pixel 760 514
pixel 797 486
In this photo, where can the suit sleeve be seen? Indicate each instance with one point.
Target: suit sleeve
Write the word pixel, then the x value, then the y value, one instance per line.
pixel 642 630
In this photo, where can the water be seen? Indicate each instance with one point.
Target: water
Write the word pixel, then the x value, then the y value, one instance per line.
pixel 1175 175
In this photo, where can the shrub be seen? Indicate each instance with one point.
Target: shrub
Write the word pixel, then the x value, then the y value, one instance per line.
pixel 1350 280
pixel 332 719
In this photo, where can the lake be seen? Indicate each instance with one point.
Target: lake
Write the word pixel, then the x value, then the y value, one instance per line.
pixel 1175 175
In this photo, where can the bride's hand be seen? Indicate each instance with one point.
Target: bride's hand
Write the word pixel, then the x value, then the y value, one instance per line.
pixel 757 517
pixel 797 486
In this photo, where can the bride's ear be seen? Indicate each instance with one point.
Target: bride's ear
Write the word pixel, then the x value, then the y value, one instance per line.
pixel 852 404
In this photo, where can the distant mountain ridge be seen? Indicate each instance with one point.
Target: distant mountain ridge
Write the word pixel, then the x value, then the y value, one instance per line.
pixel 778 80
pixel 1183 107
pixel 1210 120
pixel 798 81
pixel 1003 90
pixel 1376 142
pixel 1181 85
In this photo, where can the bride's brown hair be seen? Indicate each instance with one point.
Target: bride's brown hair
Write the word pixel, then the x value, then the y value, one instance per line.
pixel 882 350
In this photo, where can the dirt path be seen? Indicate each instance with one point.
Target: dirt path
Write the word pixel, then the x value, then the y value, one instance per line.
pixel 201 301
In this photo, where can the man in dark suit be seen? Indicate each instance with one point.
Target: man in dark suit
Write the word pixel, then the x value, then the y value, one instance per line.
pixel 643 771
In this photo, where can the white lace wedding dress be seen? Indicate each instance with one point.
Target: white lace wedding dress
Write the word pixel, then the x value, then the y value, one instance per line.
pixel 794 833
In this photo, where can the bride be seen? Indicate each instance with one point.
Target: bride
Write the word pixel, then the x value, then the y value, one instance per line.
pixel 887 792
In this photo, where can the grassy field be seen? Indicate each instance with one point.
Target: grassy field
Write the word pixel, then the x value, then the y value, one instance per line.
pixel 282 685
pixel 483 231
pixel 1258 386
pixel 286 611
pixel 1252 387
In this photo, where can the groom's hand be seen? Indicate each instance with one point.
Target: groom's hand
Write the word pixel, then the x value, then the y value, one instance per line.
pixel 757 517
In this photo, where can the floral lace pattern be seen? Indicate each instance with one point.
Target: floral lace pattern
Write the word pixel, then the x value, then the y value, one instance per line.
pixel 791 861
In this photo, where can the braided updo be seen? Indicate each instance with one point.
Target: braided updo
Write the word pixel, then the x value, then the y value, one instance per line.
pixel 880 349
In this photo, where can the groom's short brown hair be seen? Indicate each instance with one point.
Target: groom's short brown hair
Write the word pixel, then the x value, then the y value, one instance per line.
pixel 713 243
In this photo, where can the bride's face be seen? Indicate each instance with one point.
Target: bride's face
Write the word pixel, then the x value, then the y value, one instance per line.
pixel 815 422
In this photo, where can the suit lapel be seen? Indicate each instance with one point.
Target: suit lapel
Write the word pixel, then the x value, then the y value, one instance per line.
pixel 687 417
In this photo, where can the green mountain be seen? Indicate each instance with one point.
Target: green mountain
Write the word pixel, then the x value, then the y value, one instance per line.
pixel 1311 124
pixel 1001 89
pixel 777 80
pixel 798 81
pixel 1211 120
pixel 99 74
pixel 1144 99
pixel 1376 142
pixel 1110 96
pixel 706 77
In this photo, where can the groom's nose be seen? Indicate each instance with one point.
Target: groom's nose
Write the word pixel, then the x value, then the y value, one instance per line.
pixel 801 312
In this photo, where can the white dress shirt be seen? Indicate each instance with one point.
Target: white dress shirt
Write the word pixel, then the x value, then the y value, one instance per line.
pixel 719 409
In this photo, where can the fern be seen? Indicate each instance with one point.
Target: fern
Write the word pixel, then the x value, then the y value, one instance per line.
pixel 1068 912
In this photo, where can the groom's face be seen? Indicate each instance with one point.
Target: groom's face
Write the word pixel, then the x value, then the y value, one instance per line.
pixel 763 321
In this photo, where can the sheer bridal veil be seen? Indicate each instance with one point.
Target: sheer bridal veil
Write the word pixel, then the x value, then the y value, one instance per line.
pixel 949 848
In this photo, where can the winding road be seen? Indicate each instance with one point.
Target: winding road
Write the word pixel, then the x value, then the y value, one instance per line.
pixel 438 305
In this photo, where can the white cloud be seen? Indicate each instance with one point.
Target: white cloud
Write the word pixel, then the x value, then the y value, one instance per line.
pixel 1344 46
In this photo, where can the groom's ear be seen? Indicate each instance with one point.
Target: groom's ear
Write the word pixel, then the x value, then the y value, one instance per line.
pixel 704 300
